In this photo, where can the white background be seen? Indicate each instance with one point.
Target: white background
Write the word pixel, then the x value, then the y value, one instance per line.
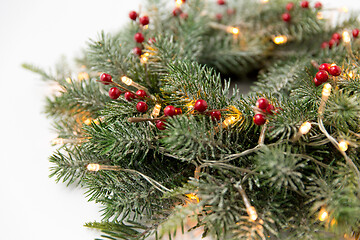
pixel 32 206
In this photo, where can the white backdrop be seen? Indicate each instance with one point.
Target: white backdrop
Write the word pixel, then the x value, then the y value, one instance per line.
pixel 32 206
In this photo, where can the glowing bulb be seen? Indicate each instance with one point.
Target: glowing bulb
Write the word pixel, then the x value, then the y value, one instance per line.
pixel 228 121
pixel 326 90
pixel 343 146
pixel 83 76
pixel 96 121
pixel 344 9
pixel 351 74
pixel 305 128
pixel 192 196
pixel 156 110
pixel 144 59
pixel 179 2
pixel 280 39
pixel 346 37
pixel 68 80
pixel 323 215
pixel 252 213
pixel 57 141
pixel 190 105
pixel 320 15
pixel 233 30
pixel 87 121
pixel 94 167
pixel 126 80
pixel 264 1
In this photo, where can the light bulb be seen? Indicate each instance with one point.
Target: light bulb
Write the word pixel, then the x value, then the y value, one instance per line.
pixel 228 121
pixel 94 167
pixel 192 196
pixel 126 80
pixel 320 15
pixel 343 146
pixel 68 80
pixel 83 76
pixel 233 30
pixel 305 128
pixel 280 39
pixel 156 110
pixel 179 2
pixel 57 141
pixel 323 215
pixel 87 121
pixel 326 90
pixel 346 37
pixel 252 213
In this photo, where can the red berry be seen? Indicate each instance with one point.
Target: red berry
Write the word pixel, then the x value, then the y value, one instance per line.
pixel 133 15
pixel 331 43
pixel 215 115
pixel 325 67
pixel 322 76
pixel 289 6
pixel 141 107
pixel 178 111
pixel 200 105
pixel 336 37
pixel 114 93
pixel 286 17
pixel 105 78
pixel 318 5
pixel 355 33
pixel 270 108
pixel 304 4
pixel 325 45
pixel 262 103
pixel 335 70
pixel 317 82
pixel 144 20
pixel 139 37
pixel 160 125
pixel 169 111
pixel 141 93
pixel 259 119
pixel 221 2
pixel 177 11
pixel 184 16
pixel 151 40
pixel 129 96
pixel 230 11
pixel 219 16
pixel 137 51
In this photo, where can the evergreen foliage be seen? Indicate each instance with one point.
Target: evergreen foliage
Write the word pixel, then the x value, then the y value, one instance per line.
pixel 149 182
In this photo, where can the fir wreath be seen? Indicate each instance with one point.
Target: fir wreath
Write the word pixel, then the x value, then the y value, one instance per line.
pixel 280 162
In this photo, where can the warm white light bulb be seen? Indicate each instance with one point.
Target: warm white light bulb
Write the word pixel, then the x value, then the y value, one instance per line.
pixel 280 39
pixel 156 110
pixel 228 121
pixel 126 80
pixel 179 2
pixel 57 141
pixel 323 215
pixel 346 37
pixel 305 128
pixel 94 167
pixel 252 213
pixel 326 90
pixel 343 146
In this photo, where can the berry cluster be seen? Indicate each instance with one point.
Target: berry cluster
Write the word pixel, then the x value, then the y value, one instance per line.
pixel 323 74
pixel 179 12
pixel 263 108
pixel 139 37
pixel 286 17
pixel 336 38
pixel 229 11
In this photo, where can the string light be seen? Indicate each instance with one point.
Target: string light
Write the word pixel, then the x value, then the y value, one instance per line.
pixel 264 1
pixel 346 36
pixel 323 215
pixel 68 80
pixel 343 145
pixel 305 128
pixel 252 213
pixel 351 74
pixel 156 110
pixel 344 9
pixel 326 90
pixel 190 105
pixel 93 167
pixel 281 39
pixel 83 76
pixel 59 141
pixel 233 30
pixel 228 121
pixel 56 141
pixel 320 15
pixel 87 121
pixel 126 80
pixel 192 196
pixel 144 58
pixel 178 3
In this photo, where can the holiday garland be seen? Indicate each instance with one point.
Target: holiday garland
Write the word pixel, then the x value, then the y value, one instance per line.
pixel 151 130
